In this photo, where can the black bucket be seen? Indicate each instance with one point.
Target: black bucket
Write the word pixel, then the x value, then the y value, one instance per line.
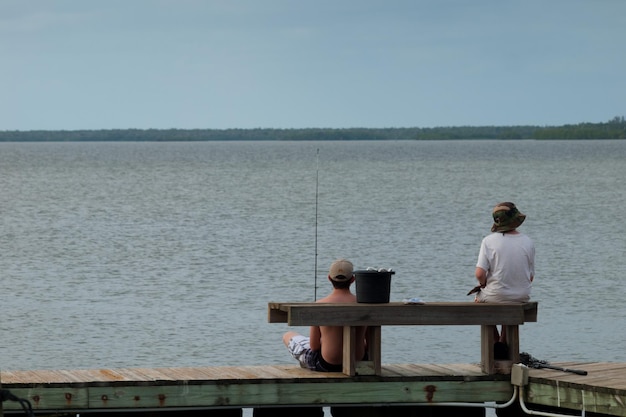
pixel 373 286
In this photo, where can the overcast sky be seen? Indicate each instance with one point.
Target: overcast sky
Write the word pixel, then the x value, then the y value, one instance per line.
pixel 109 64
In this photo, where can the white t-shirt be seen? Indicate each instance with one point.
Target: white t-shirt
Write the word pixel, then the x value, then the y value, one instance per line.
pixel 509 260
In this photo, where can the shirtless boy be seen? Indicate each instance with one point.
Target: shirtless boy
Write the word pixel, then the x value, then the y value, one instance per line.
pixel 323 350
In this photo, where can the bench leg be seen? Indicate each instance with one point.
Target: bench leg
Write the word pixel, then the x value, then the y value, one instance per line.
pixel 512 340
pixel 373 347
pixel 352 366
pixel 488 364
pixel 487 339
pixel 349 344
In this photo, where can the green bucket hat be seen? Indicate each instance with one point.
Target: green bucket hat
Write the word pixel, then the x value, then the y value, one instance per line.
pixel 506 217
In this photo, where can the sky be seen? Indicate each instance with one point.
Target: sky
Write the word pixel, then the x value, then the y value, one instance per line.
pixel 221 64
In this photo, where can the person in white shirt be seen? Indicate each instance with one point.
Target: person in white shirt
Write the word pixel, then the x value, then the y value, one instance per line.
pixel 505 268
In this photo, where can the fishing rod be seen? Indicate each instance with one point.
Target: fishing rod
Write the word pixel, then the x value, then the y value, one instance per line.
pixel 558 368
pixel 317 182
pixel 532 362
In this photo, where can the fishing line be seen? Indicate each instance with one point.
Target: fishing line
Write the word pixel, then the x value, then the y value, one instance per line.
pixel 317 182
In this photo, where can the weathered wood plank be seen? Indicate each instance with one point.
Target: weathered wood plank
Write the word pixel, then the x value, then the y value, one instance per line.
pixel 132 389
pixel 599 374
pixel 217 374
pixel 315 314
pixel 602 390
pixel 271 385
pixel 301 393
pixel 277 313
pixel 349 346
pixel 487 361
pixel 374 349
pixel 395 370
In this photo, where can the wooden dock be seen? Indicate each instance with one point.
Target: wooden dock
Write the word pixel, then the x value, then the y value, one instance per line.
pixel 602 390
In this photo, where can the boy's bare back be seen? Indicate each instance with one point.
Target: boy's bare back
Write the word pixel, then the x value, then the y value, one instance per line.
pixel 331 337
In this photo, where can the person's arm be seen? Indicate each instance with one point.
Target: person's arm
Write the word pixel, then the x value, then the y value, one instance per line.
pixel 315 338
pixel 481 276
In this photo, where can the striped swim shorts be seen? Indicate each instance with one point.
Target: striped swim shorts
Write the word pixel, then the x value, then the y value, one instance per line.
pixel 300 349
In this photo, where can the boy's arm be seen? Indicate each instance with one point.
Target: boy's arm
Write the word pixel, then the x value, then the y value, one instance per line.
pixel 315 338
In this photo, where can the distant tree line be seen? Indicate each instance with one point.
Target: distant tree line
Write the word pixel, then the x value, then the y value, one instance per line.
pixel 613 129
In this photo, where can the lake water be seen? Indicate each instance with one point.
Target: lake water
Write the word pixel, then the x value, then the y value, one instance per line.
pixel 166 254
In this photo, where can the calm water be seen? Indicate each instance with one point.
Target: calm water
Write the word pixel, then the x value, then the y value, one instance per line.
pixel 166 254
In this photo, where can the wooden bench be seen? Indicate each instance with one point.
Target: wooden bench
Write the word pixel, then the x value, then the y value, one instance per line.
pixel 350 316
